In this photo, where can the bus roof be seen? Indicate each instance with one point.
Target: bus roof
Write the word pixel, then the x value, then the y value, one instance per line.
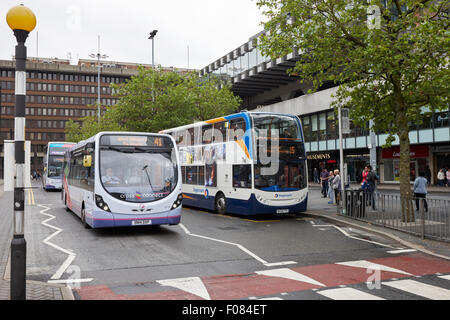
pixel 244 114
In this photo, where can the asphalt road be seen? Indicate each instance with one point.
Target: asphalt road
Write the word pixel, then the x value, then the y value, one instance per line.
pixel 210 256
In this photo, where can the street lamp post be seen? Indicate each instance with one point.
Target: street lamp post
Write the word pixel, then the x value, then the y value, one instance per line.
pixel 98 56
pixel 152 36
pixel 22 21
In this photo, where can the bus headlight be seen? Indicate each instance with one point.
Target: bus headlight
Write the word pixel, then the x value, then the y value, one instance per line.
pixel 178 202
pixel 101 204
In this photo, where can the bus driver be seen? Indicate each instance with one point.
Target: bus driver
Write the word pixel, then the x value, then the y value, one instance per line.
pixel 109 178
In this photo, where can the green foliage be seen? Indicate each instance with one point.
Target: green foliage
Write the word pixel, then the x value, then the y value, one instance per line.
pixel 384 73
pixel 89 127
pixel 153 100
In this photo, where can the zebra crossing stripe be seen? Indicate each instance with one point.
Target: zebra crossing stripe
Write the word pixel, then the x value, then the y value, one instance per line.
pixel 347 294
pixel 420 289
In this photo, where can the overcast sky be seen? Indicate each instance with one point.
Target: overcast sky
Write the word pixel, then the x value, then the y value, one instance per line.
pixel 211 28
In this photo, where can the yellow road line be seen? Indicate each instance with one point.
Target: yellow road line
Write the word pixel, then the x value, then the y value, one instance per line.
pixel 261 220
pixel 32 197
pixel 29 197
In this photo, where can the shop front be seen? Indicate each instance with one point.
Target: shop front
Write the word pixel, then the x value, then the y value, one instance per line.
pixel 356 161
pixel 319 160
pixel 419 161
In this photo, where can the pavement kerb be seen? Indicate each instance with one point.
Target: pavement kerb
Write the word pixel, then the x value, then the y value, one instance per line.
pixel 382 233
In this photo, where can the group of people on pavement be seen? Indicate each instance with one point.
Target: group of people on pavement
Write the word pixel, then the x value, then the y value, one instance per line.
pixel 331 185
pixel 443 177
pixel 36 175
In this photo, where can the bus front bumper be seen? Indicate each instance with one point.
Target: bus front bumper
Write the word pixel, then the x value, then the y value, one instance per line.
pixel 103 219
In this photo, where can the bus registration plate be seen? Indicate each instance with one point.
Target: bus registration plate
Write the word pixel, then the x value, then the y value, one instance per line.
pixel 283 211
pixel 141 222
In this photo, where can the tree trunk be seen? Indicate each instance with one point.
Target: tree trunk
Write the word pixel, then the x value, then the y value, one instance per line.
pixel 405 185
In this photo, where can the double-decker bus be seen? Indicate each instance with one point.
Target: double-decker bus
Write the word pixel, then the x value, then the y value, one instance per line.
pixel 123 179
pixel 53 164
pixel 246 163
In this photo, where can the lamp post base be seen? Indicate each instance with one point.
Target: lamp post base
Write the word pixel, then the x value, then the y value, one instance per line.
pixel 18 268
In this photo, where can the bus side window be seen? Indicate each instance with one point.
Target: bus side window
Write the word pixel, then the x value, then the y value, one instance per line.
pixel 207 134
pixel 220 132
pixel 242 176
pixel 236 130
pixel 190 137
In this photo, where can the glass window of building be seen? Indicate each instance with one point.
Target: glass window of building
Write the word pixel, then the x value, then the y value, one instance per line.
pixel 314 127
pixel 322 126
pixel 245 62
pixel 331 125
pixel 306 128
pixel 252 58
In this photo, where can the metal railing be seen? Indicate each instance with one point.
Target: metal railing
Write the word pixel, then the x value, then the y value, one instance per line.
pixel 427 218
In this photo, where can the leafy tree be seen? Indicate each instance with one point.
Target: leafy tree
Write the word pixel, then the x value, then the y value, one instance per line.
pixel 89 126
pixel 390 66
pixel 154 100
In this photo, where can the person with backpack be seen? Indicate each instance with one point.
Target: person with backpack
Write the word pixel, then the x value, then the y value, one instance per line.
pixel 371 185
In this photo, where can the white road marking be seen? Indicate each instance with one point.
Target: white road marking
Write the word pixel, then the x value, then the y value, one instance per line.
pixel 370 265
pixel 420 289
pixel 289 274
pixel 271 298
pixel 69 281
pixel 347 294
pixel 356 238
pixel 71 255
pixel 447 277
pixel 264 262
pixel 192 285
pixel 401 251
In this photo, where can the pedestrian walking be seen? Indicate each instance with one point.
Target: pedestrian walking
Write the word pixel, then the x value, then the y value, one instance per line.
pixel 448 178
pixel 441 177
pixel 371 180
pixel 316 175
pixel 337 186
pixel 364 175
pixel 420 191
pixel 324 180
pixel 330 187
pixel 428 175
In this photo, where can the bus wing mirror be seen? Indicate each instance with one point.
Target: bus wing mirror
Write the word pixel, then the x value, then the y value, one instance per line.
pixel 87 161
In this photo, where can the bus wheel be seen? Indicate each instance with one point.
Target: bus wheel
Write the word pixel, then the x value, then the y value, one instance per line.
pixel 83 219
pixel 221 204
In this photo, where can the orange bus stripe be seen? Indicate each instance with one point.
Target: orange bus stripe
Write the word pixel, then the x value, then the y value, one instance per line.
pixel 215 120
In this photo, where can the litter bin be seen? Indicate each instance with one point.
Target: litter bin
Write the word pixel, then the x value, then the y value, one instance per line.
pixel 356 203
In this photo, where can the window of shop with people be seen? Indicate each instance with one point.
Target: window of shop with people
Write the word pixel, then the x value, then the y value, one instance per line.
pixel 419 162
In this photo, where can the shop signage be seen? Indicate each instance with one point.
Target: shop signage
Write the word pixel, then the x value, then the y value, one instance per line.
pixel 318 156
pixel 415 152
